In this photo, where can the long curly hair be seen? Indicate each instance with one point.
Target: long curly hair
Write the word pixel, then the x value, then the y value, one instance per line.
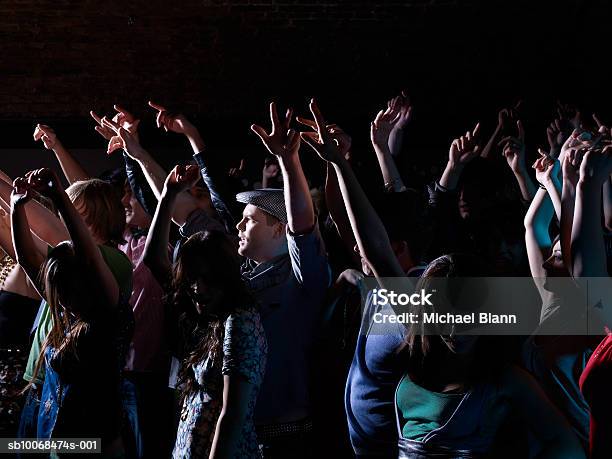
pixel 200 334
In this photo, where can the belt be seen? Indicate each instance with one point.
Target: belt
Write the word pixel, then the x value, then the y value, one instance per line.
pixel 272 431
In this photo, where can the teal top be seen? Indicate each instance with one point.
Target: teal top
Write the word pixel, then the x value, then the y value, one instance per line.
pixel 420 411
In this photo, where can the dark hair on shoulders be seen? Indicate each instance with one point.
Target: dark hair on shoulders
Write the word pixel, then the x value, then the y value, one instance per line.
pixel 201 336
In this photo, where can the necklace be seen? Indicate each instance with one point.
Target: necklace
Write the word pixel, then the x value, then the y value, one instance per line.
pixel 7 264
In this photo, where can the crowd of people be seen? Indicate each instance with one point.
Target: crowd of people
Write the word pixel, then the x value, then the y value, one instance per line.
pixel 205 313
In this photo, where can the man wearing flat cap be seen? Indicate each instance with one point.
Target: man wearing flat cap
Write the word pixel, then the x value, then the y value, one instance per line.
pixel 286 269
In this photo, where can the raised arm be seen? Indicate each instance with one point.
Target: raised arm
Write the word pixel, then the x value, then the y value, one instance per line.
pixel 380 131
pixel 213 172
pixel 46 183
pixel 537 220
pixel 333 195
pixel 154 173
pixel 284 143
pixel 25 252
pixel 461 152
pixel 588 247
pixel 73 171
pixel 155 254
pixel 369 231
pixel 401 104
pixel 570 165
pixel 504 117
pixel 136 179
pixel 547 175
pixel 42 221
pixel 514 152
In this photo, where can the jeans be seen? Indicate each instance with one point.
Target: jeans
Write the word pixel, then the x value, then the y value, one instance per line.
pixel 29 414
pixel 147 402
pixel 28 423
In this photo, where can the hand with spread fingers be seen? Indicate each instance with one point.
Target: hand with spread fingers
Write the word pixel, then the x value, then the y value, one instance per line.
pixel 106 132
pixel 322 141
pixel 46 134
pixel 343 140
pixel 383 124
pixel 122 138
pixel 281 141
pixel 401 104
pixel 122 119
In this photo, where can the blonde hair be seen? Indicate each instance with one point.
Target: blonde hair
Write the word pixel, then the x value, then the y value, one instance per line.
pixel 101 208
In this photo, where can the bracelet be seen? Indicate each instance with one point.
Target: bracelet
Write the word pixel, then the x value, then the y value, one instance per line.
pixel 541 186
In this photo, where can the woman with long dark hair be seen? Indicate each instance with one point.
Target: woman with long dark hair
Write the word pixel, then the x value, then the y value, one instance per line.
pixel 83 353
pixel 458 390
pixel 221 338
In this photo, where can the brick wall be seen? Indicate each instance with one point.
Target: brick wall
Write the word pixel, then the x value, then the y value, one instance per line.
pixel 221 61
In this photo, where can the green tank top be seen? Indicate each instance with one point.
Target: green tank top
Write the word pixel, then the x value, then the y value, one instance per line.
pixel 421 411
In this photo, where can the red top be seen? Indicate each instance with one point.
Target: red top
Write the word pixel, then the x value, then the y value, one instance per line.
pixel 596 386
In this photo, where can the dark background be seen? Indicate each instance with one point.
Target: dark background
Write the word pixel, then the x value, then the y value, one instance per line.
pixel 220 62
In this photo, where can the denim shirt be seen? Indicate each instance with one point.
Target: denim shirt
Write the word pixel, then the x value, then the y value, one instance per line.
pixel 290 290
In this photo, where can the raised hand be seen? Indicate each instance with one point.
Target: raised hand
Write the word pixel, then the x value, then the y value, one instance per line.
pixel 126 120
pixel 322 141
pixel 570 166
pixel 570 114
pixel 237 172
pixel 465 148
pixel 122 138
pixel 546 167
pixel 401 104
pixel 271 170
pixel 46 134
pixel 556 136
pixel 180 179
pixel 122 118
pixel 604 130
pixel 21 192
pixel 343 140
pixel 101 128
pixel 169 122
pixel 596 166
pixel 508 116
pixel 281 141
pixel 514 148
pixel 383 124
pixel 45 182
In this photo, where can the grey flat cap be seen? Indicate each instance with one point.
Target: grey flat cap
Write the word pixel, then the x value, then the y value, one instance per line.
pixel 271 200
